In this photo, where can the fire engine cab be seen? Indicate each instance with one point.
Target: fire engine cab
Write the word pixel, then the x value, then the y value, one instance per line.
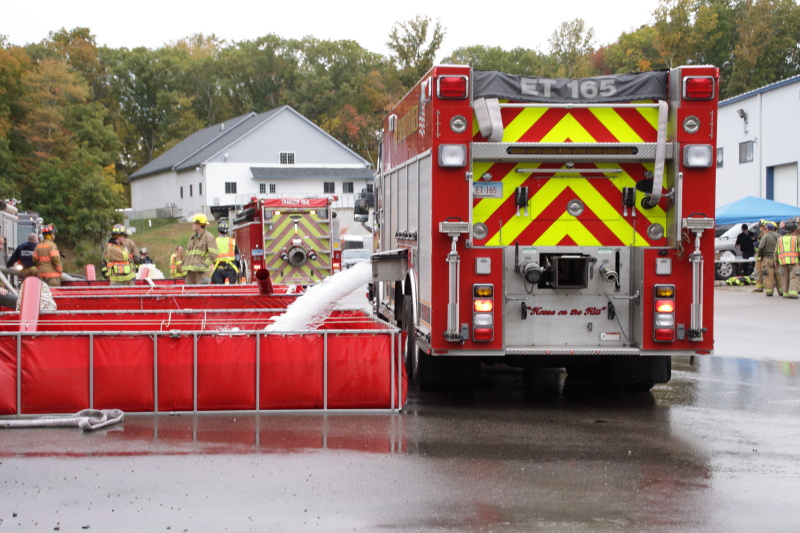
pixel 289 237
pixel 550 222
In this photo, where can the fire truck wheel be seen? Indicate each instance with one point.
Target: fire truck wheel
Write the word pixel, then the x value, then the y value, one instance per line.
pixel 417 362
pixel 408 331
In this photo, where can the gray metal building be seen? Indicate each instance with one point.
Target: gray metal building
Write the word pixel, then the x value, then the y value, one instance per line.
pixel 758 144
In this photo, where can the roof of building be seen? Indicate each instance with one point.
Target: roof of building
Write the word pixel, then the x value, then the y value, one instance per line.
pixel 764 89
pixel 289 172
pixel 201 146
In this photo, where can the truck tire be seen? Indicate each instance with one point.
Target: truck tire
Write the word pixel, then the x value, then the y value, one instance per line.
pixel 417 362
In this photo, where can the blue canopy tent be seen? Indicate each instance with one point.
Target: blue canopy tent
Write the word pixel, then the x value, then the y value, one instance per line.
pixel 752 209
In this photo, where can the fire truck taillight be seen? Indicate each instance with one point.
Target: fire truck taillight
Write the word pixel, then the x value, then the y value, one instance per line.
pixel 452 155
pixel 698 155
pixel 664 315
pixel 698 88
pixel 452 87
pixel 483 312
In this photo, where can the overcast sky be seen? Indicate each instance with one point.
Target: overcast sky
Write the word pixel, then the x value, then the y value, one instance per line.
pixel 153 23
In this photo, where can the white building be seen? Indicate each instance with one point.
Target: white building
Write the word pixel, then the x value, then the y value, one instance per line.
pixel 279 153
pixel 758 144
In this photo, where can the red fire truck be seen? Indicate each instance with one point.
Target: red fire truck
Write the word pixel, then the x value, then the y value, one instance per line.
pixel 550 222
pixel 290 237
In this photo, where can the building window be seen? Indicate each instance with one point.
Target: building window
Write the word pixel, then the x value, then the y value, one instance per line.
pixel 262 188
pixel 200 189
pixel 719 157
pixel 347 187
pixel 330 187
pixel 287 158
pixel 272 188
pixel 230 187
pixel 181 192
pixel 369 187
pixel 190 191
pixel 746 152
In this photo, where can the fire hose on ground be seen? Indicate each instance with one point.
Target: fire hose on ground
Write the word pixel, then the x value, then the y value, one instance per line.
pixel 87 420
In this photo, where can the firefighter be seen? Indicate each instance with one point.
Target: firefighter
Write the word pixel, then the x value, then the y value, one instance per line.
pixel 46 258
pixel 116 259
pixel 760 258
pixel 24 255
pixel 133 250
pixel 201 253
pixel 144 259
pixel 176 263
pixel 768 270
pixel 787 256
pixel 226 268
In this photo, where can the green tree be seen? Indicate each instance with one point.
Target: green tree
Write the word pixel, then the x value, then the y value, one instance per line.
pixel 683 28
pixel 571 44
pixel 521 61
pixel 766 48
pixel 67 147
pixel 414 49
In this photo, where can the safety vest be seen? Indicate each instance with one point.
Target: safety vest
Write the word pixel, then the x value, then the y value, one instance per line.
pixel 227 252
pixel 121 270
pixel 787 250
pixel 174 262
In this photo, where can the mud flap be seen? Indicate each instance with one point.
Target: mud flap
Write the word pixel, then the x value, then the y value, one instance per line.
pixel 637 370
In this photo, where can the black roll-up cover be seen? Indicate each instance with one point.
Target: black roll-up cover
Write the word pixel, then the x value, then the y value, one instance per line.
pixel 599 89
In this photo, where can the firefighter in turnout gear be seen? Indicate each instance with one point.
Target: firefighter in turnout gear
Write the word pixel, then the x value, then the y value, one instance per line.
pixel 201 253
pixel 176 263
pixel 768 269
pixel 762 227
pixel 787 256
pixel 117 262
pixel 226 269
pixel 47 259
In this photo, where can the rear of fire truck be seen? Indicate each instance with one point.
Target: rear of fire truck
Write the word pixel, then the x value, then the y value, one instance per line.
pixel 551 222
pixel 289 237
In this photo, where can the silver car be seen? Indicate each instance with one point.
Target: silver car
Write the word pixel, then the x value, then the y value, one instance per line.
pixel 727 243
pixel 351 256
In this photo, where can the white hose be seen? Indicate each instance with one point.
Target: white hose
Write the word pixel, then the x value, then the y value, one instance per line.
pixel 87 420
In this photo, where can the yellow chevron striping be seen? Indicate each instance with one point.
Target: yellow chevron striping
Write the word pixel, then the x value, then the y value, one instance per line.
pixel 567 225
pixel 523 122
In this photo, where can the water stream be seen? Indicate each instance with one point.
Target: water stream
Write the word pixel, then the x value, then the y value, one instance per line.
pixel 310 310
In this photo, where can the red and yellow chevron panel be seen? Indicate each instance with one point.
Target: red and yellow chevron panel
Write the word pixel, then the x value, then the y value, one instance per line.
pixel 604 221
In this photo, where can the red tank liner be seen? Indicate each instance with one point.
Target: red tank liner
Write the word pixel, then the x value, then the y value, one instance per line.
pixel 164 361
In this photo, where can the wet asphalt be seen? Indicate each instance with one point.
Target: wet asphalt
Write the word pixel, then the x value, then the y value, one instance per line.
pixel 715 449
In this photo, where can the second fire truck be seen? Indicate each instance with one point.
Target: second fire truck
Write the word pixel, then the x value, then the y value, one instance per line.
pixel 550 222
pixel 292 238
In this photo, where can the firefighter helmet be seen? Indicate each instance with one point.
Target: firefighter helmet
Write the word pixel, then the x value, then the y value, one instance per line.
pixel 49 229
pixel 143 251
pixel 790 226
pixel 119 229
pixel 200 218
pixel 223 226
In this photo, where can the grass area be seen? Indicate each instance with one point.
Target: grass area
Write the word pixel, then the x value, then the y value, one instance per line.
pixel 159 236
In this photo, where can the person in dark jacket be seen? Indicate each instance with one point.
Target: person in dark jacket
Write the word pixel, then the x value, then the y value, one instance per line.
pixel 24 255
pixel 745 242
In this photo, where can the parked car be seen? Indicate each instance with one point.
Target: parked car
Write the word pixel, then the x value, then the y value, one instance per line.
pixel 352 256
pixel 727 243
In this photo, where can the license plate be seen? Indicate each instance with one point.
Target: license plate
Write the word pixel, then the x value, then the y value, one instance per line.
pixel 487 190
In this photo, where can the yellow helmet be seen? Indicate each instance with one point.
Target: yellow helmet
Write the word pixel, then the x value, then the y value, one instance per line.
pixel 200 218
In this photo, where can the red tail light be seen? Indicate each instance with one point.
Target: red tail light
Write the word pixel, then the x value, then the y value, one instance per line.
pixel 698 88
pixel 664 313
pixel 483 334
pixel 452 87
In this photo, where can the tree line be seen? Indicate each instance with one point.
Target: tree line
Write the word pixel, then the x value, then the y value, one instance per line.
pixel 77 118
